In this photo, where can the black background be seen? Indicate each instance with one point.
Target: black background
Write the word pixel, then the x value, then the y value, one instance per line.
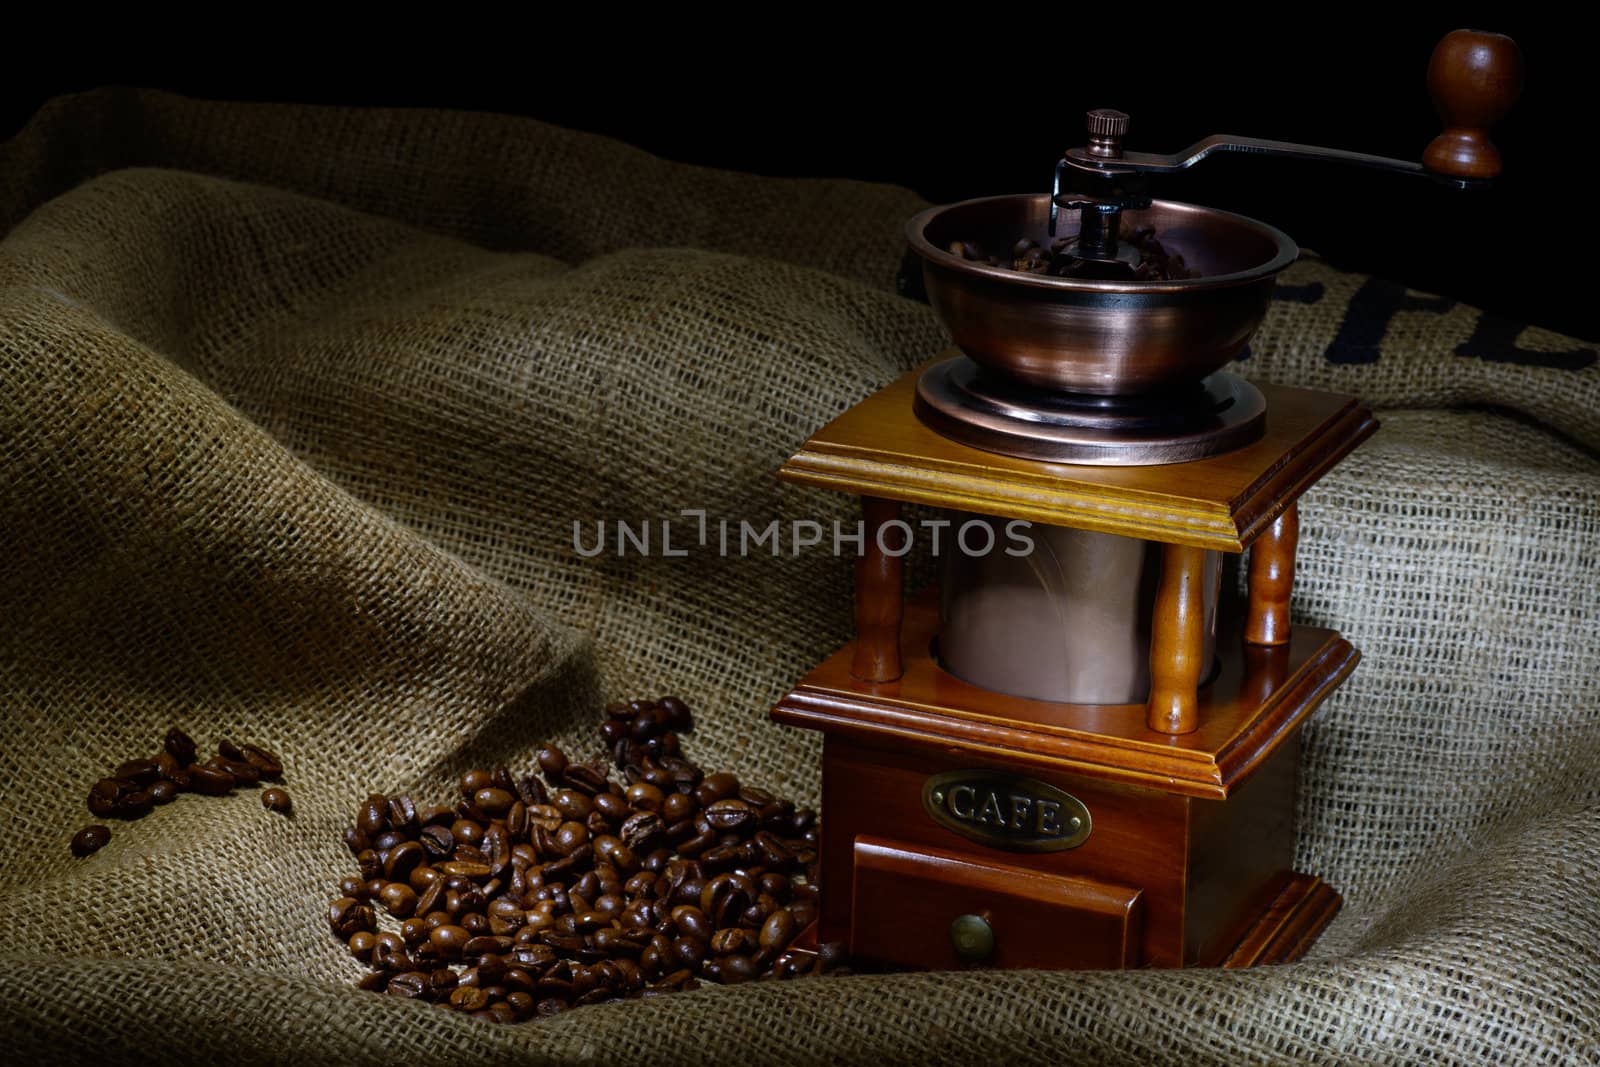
pixel 967 110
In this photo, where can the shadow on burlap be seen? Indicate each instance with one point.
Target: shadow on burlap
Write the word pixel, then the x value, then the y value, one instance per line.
pixel 299 408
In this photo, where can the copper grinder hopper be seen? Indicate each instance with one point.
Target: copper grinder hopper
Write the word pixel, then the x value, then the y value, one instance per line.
pixel 1077 370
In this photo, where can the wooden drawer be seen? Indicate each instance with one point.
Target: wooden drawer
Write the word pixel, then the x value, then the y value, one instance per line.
pixel 905 898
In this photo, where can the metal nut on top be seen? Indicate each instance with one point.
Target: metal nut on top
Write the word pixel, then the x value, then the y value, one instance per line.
pixel 1107 127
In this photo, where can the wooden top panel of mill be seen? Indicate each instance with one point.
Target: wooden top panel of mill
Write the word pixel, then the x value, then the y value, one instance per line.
pixel 880 448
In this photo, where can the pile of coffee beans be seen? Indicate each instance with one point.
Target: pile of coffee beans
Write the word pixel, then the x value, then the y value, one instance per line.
pixel 1030 257
pixel 533 894
pixel 138 785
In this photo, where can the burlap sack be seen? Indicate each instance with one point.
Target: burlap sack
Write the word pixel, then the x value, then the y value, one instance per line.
pixel 294 432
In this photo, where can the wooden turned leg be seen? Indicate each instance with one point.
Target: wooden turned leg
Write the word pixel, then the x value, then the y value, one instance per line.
pixel 880 579
pixel 1271 580
pixel 1177 640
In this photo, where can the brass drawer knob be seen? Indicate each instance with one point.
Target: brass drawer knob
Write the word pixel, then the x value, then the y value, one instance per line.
pixel 972 937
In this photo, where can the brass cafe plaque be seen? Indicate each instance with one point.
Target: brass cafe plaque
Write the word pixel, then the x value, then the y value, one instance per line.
pixel 1006 811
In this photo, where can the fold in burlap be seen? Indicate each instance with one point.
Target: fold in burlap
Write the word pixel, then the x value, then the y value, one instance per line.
pixel 295 429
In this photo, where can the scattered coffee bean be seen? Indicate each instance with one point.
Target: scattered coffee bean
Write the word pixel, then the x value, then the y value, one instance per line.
pixel 180 745
pixel 90 839
pixel 138 785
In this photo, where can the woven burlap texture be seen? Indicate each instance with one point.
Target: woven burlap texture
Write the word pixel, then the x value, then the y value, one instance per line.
pixel 299 407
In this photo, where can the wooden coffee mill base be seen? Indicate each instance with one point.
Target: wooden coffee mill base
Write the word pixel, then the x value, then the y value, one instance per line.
pixel 968 827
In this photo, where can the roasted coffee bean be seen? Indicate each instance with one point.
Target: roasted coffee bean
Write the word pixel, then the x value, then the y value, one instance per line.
pixel 466 832
pixel 737 968
pixel 369 864
pixel 347 916
pixel 356 841
pixel 438 841
pixel 645 727
pixel 402 860
pixel 210 781
pixel 474 780
pixel 531 790
pixel 572 803
pixel 696 843
pixel 399 899
pixel 497 847
pixel 140 771
pixel 547 816
pixel 724 942
pixel 685 776
pixel 163 792
pixel 640 830
pixel 361 943
pixel 374 982
pixel 722 857
pixel 690 951
pixel 432 897
pixel 611 806
pixel 570 836
pixel 644 797
pixel 774 853
pixel 105 794
pixel 493 802
pixel 777 931
pixel 411 984
pixel 266 761
pixel 449 940
pixel 517 821
pixel 276 800
pixel 389 953
pixel 716 787
pixel 243 773
pixel 386 841
pixel 436 815
pixel 678 716
pixel 692 922
pixel 465 869
pixel 90 839
pixel 134 805
pixel 402 815
pixel 677 980
pixel 468 998
pixel 484 945
pixel 655 774
pixel 584 778
pixel 675 807
pixel 442 982
pixel 180 745
pixel 414 931
pixel 373 817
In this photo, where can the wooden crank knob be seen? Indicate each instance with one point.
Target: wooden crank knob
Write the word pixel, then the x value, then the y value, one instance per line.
pixel 1474 78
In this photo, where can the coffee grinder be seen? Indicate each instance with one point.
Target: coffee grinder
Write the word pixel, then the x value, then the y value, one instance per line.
pixel 1072 757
